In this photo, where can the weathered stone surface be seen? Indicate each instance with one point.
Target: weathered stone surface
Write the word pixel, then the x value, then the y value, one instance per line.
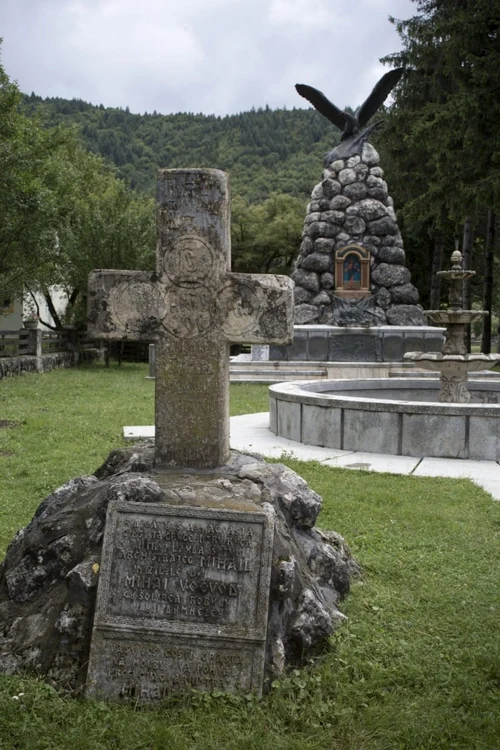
pixel 355 225
pixel 193 307
pixel 370 155
pixel 346 176
pixel 306 246
pixel 324 245
pixel 405 315
pixel 391 255
pixel 378 194
pixel 307 279
pixel 322 229
pixel 317 192
pixel 355 192
pixel 376 182
pixel 333 217
pixel 362 213
pixel 383 298
pixel 404 294
pixel 323 298
pixel 382 226
pixel 301 295
pixel 318 262
pixel 331 188
pixel 327 281
pixel 49 577
pixel 370 239
pixel 339 203
pixel 350 312
pixel 361 172
pixel 305 314
pixel 371 209
pixel 389 275
pixel 337 166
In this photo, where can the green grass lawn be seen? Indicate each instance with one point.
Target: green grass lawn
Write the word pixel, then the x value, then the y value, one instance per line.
pixel 416 666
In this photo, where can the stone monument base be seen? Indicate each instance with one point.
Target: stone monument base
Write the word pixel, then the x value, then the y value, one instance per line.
pixel 49 577
pixel 323 343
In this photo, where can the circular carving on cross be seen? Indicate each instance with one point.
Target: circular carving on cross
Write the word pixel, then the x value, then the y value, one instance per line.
pixel 239 310
pixel 189 260
pixel 189 311
pixel 138 307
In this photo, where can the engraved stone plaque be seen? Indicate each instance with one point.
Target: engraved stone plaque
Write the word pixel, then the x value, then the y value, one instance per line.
pixel 182 601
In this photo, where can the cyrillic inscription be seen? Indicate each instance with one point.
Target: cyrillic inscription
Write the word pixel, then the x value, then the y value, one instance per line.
pixel 148 670
pixel 182 600
pixel 191 569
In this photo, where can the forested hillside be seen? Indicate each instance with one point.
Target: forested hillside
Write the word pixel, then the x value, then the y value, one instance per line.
pixel 265 151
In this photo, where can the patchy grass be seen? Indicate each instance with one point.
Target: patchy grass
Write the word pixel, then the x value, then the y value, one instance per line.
pixel 417 665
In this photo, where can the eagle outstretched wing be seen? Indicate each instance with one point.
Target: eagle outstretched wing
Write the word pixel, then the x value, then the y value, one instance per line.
pixel 378 96
pixel 322 104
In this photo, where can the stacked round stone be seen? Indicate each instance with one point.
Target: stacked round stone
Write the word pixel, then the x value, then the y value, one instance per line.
pixel 352 205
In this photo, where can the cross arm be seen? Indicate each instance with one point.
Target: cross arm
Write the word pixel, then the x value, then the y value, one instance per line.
pixel 124 305
pixel 258 309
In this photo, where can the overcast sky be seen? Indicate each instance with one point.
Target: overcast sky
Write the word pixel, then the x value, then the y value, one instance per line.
pixel 210 56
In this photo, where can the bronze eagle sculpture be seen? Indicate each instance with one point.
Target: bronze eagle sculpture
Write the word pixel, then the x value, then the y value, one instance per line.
pixel 351 125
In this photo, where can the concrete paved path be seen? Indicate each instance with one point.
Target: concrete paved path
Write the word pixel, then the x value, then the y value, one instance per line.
pixel 251 432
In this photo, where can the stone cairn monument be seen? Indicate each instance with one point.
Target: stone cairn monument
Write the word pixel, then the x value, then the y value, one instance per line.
pixel 351 265
pixel 211 574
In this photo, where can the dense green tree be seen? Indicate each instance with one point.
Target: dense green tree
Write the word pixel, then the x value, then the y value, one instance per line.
pixel 62 209
pixel 265 151
pixel 441 143
pixel 265 237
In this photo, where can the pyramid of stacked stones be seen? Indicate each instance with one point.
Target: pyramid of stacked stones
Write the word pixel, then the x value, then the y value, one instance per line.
pixel 352 205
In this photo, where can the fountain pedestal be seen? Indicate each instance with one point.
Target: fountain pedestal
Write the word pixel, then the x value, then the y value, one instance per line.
pixel 454 362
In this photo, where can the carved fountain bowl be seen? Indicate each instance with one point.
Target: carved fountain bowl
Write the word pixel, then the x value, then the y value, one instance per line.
pixel 395 416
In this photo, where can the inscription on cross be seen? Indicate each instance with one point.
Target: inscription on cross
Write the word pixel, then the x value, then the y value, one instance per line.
pixel 192 307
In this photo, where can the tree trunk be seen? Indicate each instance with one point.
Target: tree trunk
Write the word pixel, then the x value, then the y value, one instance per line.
pixel 488 282
pixel 55 317
pixel 437 262
pixel 467 257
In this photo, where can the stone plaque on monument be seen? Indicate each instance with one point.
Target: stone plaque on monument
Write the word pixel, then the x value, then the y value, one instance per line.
pixel 182 601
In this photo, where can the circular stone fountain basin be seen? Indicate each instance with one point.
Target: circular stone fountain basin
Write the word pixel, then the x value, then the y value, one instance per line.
pixel 395 416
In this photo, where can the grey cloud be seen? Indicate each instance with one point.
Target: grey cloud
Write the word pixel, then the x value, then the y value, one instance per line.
pixel 220 56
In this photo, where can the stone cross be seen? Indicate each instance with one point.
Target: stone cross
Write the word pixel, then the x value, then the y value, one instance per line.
pixel 192 307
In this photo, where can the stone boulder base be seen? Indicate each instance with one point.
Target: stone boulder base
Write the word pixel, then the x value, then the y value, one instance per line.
pixel 48 579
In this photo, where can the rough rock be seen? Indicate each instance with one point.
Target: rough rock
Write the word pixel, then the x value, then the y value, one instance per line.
pixel 48 579
pixel 404 294
pixel 355 192
pixel 305 314
pixel 388 275
pixel 318 262
pixel 307 279
pixel 347 176
pixel 350 312
pixel 391 255
pixel 382 226
pixel 327 281
pixel 301 295
pixel 352 205
pixel 405 315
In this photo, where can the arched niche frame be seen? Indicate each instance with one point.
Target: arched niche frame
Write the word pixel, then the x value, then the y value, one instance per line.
pixel 352 272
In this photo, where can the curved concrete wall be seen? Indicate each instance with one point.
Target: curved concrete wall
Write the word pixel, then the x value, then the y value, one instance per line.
pixel 344 414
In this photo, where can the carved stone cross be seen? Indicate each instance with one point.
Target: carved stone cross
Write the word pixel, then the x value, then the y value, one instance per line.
pixel 192 307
